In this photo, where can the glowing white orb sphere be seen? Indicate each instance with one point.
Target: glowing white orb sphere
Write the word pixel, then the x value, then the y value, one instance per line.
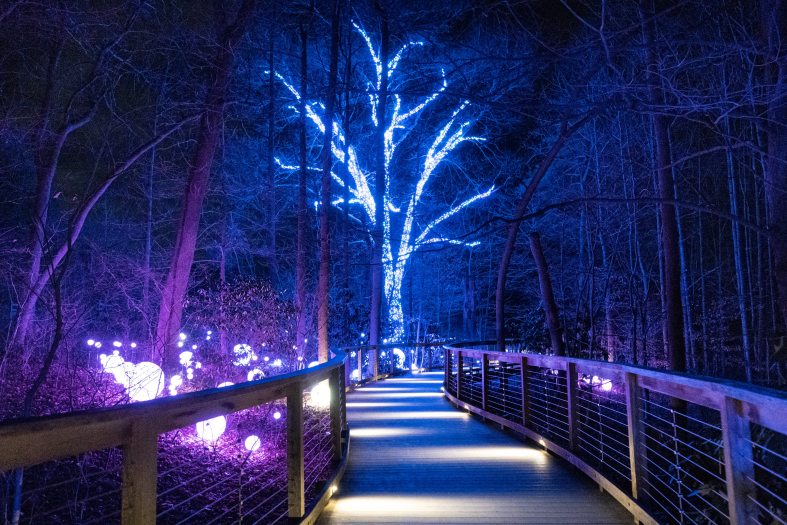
pixel 255 373
pixel 124 373
pixel 182 336
pixel 266 358
pixel 595 380
pixel 115 352
pixel 606 385
pixel 180 344
pixel 91 342
pixel 225 383
pixel 197 365
pixel 242 353
pixel 175 381
pixel 117 344
pixel 133 345
pixel 399 357
pixel 185 357
pixel 320 395
pixel 102 358
pixel 252 443
pixel 147 382
pixel 363 335
pixel 277 415
pixel 313 364
pixel 113 363
pixel 355 375
pixel 211 430
pixel 276 363
pixel 210 332
pixel 98 344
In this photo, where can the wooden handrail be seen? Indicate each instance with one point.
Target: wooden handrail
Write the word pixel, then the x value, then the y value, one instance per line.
pixel 135 428
pixel 738 405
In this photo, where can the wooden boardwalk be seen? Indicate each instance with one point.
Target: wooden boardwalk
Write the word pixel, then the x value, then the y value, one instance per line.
pixel 414 458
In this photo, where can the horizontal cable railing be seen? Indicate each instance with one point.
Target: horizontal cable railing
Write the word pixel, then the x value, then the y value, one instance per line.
pixel 257 452
pixel 671 448
pixel 371 362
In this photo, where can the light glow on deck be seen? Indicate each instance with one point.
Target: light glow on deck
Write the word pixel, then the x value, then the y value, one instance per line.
pixel 396 506
pixel 376 404
pixel 410 415
pixel 401 395
pixel 382 432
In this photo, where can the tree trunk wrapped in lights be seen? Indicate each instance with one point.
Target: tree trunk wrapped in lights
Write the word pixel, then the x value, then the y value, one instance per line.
pixel 392 122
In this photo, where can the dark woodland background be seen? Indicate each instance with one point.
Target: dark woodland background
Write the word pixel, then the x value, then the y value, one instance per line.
pixel 644 143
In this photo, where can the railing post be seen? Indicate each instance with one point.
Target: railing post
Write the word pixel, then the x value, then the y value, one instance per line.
pixel 336 387
pixel 360 365
pixel 459 374
pixel 375 363
pixel 140 457
pixel 571 400
pixel 392 361
pixel 347 370
pixel 295 486
pixel 523 379
pixel 484 380
pixel 635 433
pixel 446 368
pixel 738 465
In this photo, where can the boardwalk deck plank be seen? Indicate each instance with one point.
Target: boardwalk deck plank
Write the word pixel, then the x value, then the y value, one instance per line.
pixel 416 459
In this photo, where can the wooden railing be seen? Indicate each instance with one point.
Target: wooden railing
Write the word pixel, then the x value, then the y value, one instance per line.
pixel 372 362
pixel 135 429
pixel 671 448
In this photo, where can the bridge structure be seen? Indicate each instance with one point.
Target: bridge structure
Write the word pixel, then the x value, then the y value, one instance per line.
pixel 426 433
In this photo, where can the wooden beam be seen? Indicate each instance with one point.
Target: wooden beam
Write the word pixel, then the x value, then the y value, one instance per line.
pixel 296 503
pixel 738 464
pixel 140 458
pixel 459 381
pixel 484 381
pixel 524 376
pixel 336 388
pixel 571 401
pixel 636 437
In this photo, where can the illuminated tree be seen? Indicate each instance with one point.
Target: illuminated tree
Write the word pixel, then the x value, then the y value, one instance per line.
pixel 400 120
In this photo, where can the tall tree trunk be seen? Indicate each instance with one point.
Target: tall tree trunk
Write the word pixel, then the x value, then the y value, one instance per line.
pixel 737 256
pixel 176 284
pixel 324 278
pixel 375 310
pixel 669 239
pixel 513 227
pixel 774 34
pixel 146 260
pixel 300 243
pixel 547 295
pixel 273 263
